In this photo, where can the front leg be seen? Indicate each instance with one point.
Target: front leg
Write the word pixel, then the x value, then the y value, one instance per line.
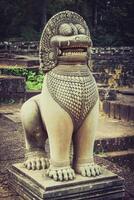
pixel 84 144
pixel 59 128
pixel 35 135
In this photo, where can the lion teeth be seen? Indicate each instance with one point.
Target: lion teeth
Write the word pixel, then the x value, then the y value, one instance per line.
pixel 73 53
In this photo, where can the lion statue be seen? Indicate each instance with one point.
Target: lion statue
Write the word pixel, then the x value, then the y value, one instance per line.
pixel 66 111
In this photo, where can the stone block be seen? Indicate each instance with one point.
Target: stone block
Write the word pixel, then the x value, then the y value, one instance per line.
pixel 124 112
pixel 106 107
pixel 112 109
pixel 35 185
pixel 117 111
pixel 12 87
pixel 131 114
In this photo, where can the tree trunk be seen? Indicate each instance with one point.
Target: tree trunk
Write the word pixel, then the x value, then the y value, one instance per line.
pixel 44 13
pixel 94 15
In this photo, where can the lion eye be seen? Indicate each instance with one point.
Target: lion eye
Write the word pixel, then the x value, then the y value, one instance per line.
pixel 65 29
pixel 80 29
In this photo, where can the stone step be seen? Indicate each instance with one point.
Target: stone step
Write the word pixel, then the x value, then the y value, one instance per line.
pixel 35 67
pixel 118 153
pixel 119 110
pixel 19 62
pixel 123 158
pixel 118 144
pixel 128 91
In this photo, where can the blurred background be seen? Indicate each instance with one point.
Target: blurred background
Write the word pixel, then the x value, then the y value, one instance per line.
pixel 111 22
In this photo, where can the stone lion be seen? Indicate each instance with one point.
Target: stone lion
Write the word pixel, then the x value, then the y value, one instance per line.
pixel 66 111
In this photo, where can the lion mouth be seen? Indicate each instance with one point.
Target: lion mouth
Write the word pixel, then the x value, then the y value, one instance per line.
pixel 71 48
pixel 73 51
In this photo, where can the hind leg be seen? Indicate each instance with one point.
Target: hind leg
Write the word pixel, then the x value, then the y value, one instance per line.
pixel 35 135
pixel 84 145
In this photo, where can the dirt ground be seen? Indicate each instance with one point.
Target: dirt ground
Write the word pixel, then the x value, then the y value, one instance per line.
pixel 12 151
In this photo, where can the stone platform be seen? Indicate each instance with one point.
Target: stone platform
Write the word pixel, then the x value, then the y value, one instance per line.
pixel 35 185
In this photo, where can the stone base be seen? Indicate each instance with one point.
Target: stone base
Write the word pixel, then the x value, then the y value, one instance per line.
pixel 36 185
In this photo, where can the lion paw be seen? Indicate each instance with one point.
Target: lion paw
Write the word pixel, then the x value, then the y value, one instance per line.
pixel 36 161
pixel 61 174
pixel 88 169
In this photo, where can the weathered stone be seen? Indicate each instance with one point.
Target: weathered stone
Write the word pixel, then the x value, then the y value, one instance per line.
pixel 131 115
pixel 119 110
pixel 112 109
pixel 106 107
pixel 22 61
pixel 104 59
pixel 35 185
pixel 12 87
pixel 12 150
pixel 124 112
pixel 66 111
pixel 70 96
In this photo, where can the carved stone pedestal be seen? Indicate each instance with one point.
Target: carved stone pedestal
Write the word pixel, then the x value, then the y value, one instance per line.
pixel 36 186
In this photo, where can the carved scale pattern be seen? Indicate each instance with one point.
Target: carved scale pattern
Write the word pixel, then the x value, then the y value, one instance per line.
pixel 76 95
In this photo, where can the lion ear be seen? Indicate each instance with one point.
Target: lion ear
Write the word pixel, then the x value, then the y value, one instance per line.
pixel 89 62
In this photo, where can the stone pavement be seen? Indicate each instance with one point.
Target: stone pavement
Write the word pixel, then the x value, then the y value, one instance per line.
pixel 113 128
pixel 12 149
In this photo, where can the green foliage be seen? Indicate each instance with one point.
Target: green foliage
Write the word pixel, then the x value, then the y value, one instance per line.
pixel 34 80
pixel 16 71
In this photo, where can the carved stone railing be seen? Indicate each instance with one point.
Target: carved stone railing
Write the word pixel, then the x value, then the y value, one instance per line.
pixel 105 59
pixel 33 46
pixel 112 57
pixel 113 50
pixel 19 47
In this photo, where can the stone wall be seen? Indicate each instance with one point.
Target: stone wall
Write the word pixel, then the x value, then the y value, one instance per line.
pixel 112 57
pixel 105 53
pixel 104 59
pixel 119 110
pixel 19 47
pixel 12 87
pixel 107 60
